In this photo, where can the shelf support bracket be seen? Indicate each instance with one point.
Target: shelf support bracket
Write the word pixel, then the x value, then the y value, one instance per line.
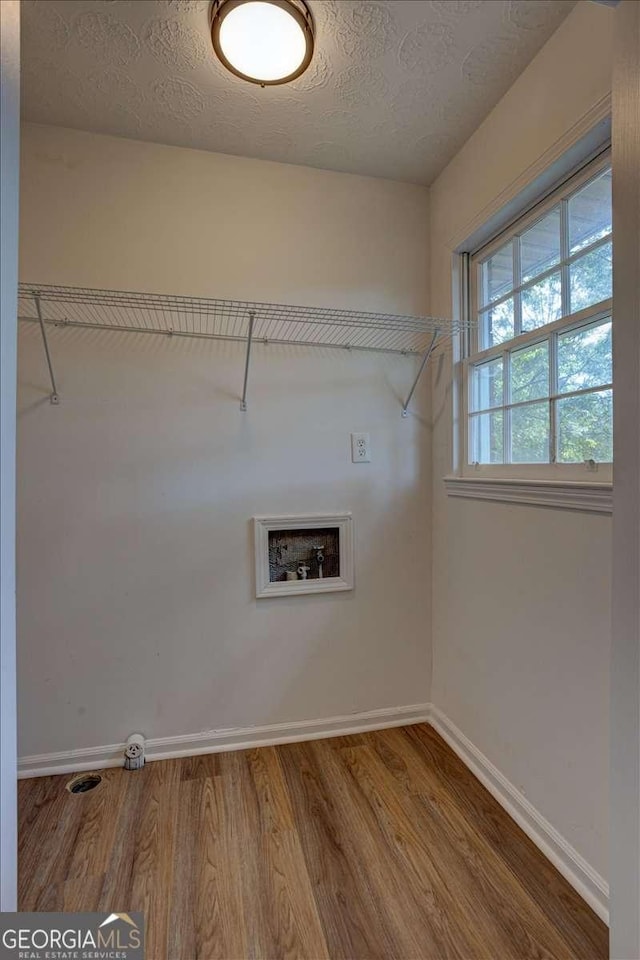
pixel 53 398
pixel 247 361
pixel 423 364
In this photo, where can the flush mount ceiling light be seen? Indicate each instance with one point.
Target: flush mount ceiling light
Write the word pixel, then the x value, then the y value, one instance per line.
pixel 263 41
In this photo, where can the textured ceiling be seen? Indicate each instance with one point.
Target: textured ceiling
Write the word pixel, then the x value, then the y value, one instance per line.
pixel 394 89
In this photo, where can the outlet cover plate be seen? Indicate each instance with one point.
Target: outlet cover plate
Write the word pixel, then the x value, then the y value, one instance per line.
pixel 360 448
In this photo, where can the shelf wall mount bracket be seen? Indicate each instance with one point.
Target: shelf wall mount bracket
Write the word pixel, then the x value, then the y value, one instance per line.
pixel 247 361
pixel 423 363
pixel 54 396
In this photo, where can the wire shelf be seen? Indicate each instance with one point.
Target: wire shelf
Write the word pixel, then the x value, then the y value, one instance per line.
pixel 238 320
pixel 230 319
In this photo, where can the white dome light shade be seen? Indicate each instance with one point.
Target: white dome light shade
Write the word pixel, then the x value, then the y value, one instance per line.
pixel 263 41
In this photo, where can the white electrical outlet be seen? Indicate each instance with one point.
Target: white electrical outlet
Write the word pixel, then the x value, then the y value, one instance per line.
pixel 360 448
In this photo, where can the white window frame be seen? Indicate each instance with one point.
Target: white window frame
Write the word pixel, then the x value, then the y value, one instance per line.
pixel 590 473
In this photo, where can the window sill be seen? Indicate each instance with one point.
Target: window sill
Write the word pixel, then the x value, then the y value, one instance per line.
pixel 566 495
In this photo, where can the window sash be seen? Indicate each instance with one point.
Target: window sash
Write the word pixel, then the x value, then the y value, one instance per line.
pixel 569 471
pixel 544 399
pixel 549 272
pixel 559 197
pixel 552 413
pixel 582 318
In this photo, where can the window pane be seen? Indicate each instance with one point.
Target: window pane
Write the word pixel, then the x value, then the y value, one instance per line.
pixel 530 433
pixel 497 274
pixel 591 278
pixel 590 213
pixel 542 303
pixel 585 428
pixel 487 385
pixel 487 445
pixel 540 246
pixel 530 373
pixel 584 358
pixel 496 324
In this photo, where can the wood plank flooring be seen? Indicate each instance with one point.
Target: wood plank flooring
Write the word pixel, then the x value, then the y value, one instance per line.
pixel 381 845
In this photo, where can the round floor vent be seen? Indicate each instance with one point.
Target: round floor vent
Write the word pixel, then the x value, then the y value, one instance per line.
pixel 84 783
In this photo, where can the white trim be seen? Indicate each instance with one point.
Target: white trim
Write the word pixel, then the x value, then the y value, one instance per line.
pixel 547 334
pixel 582 144
pixel 262 527
pixel 584 140
pixel 217 741
pixel 574 868
pixel 587 497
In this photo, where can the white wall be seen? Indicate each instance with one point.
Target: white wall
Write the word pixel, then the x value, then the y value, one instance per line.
pixel 135 557
pixel 521 595
pixel 9 168
pixel 129 215
pixel 625 666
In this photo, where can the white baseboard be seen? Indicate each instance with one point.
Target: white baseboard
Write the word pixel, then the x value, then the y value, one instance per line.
pixel 216 741
pixel 585 880
pixel 581 875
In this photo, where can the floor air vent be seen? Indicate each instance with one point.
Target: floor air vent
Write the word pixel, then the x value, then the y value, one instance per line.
pixel 84 783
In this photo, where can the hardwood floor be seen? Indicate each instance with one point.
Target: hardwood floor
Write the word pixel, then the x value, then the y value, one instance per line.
pixel 381 845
